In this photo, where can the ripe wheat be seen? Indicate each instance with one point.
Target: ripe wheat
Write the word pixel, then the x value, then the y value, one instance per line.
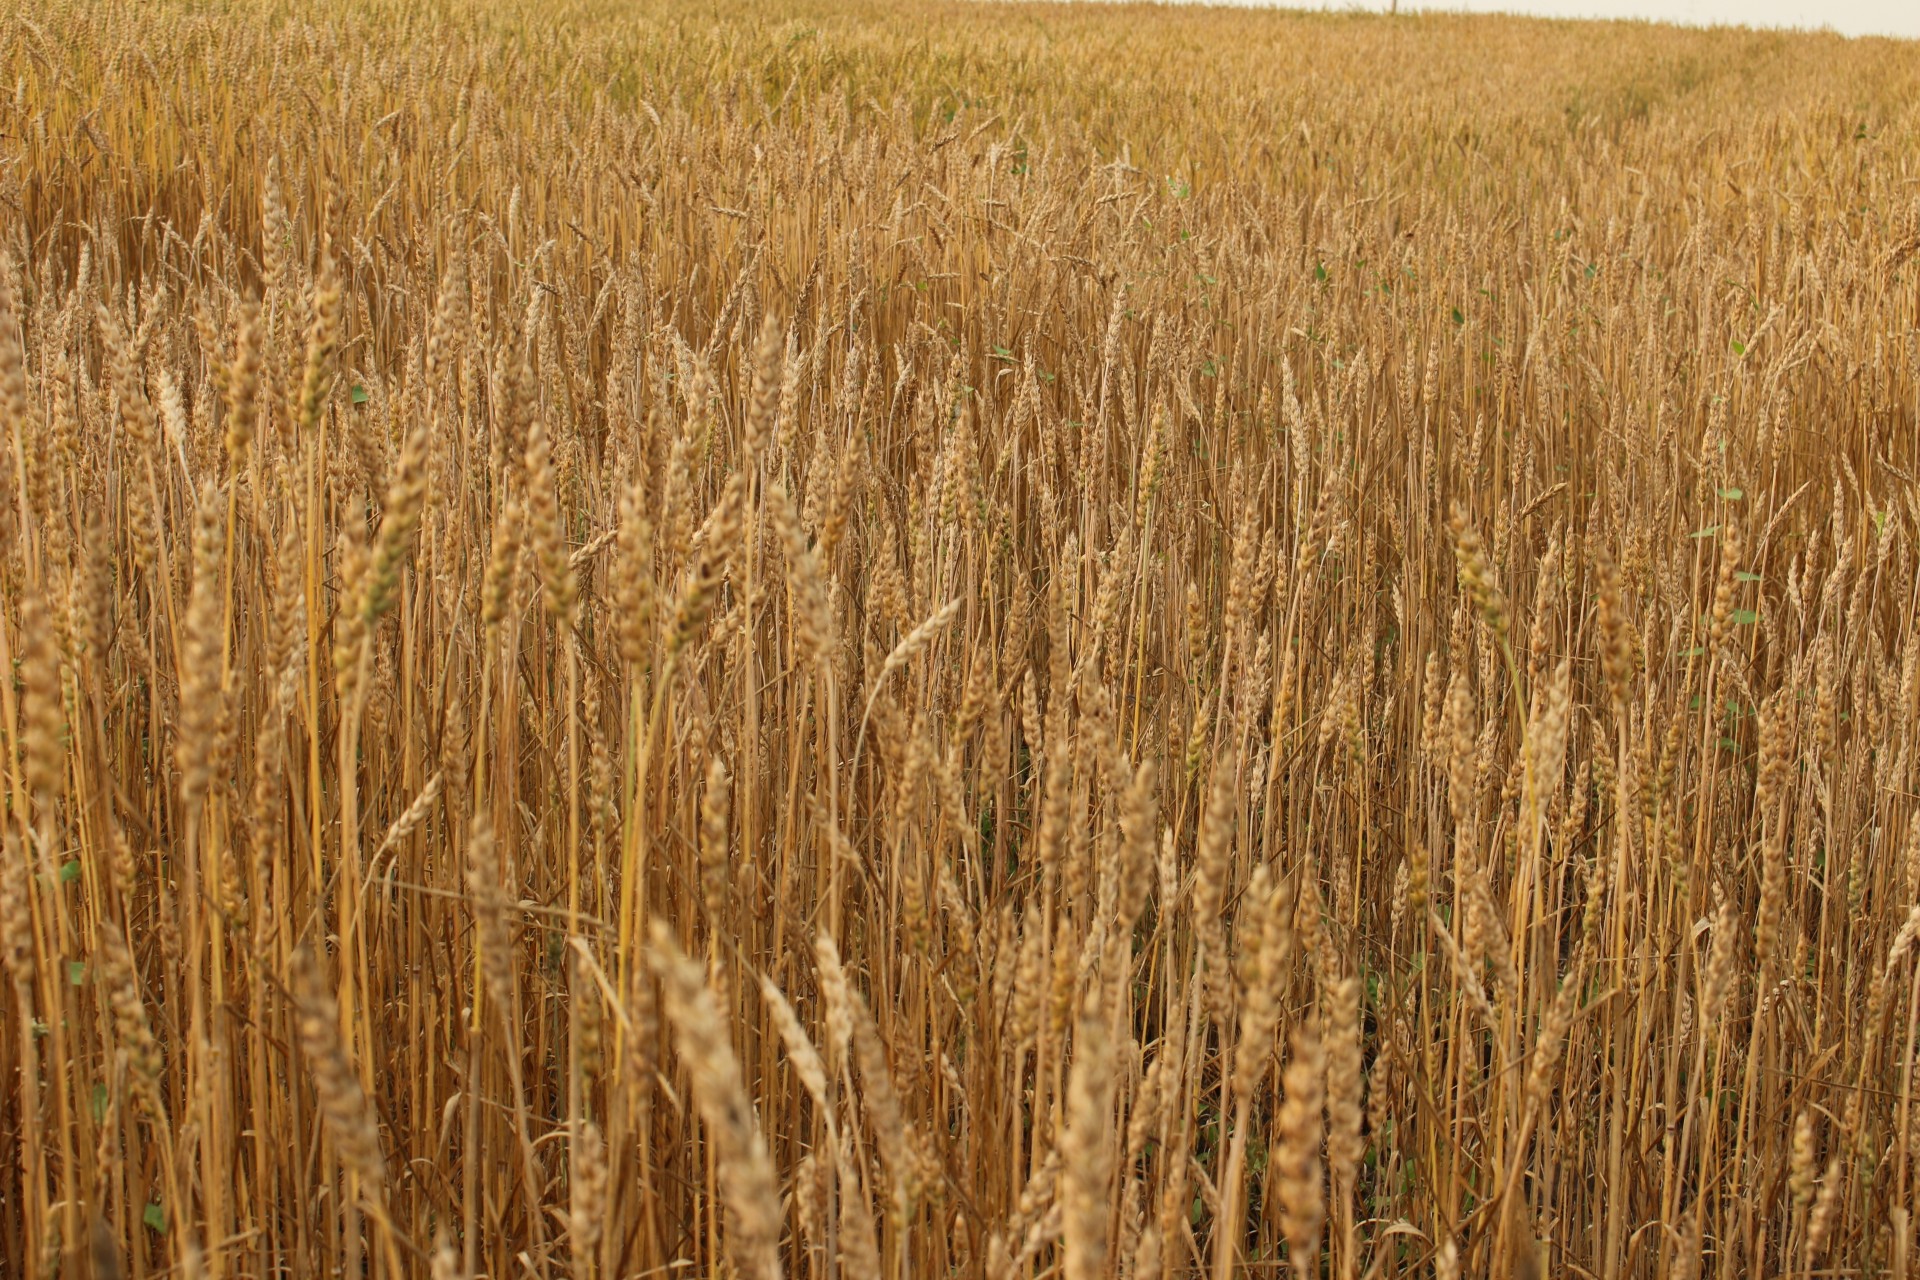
pixel 914 639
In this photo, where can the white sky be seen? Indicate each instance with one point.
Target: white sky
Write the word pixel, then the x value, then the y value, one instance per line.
pixel 1848 17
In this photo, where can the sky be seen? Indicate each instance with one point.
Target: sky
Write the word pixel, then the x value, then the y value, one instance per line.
pixel 1848 17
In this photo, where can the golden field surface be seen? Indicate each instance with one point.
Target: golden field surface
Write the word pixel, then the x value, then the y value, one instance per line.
pixel 909 639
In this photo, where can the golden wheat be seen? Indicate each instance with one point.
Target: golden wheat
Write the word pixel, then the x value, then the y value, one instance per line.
pixel 908 638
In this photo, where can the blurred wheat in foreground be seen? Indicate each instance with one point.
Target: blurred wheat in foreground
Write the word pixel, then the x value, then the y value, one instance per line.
pixel 911 640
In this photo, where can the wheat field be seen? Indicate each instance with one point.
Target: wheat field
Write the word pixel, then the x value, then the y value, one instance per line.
pixel 905 639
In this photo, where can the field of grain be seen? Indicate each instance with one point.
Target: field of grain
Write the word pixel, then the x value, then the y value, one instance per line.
pixel 906 639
